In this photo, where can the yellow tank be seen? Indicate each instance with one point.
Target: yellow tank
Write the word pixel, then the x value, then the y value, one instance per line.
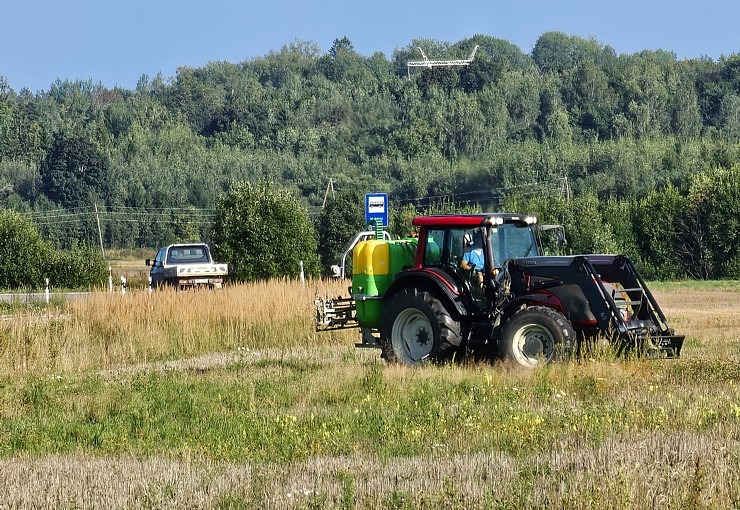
pixel 374 266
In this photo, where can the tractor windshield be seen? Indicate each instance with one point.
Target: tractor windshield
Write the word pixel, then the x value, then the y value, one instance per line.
pixel 510 241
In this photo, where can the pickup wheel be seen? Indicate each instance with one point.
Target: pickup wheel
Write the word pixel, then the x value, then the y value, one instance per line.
pixel 536 336
pixel 417 327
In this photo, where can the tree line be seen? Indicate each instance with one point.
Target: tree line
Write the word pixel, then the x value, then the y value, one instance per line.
pixel 156 161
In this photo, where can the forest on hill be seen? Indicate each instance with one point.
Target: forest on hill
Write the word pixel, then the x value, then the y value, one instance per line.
pixel 633 152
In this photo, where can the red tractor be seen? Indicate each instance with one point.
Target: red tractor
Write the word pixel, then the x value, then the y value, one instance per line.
pixel 481 284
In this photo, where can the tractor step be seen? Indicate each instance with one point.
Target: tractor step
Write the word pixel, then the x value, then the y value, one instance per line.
pixel 370 339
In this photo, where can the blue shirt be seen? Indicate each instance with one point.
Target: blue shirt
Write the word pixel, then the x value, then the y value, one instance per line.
pixel 475 256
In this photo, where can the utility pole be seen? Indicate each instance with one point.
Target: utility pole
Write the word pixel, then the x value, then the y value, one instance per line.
pixel 100 233
pixel 565 189
pixel 329 186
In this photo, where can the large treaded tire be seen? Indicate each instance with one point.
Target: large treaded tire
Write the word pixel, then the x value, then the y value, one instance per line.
pixel 417 327
pixel 536 336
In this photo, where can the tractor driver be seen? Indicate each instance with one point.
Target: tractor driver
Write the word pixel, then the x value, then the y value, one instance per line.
pixel 473 258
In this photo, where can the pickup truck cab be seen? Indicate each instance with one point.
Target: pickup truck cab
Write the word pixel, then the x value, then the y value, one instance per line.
pixel 186 265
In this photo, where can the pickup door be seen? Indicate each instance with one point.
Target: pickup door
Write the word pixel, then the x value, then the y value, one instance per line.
pixel 157 270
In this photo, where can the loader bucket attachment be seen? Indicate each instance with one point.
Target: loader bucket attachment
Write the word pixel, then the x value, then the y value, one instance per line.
pixel 601 295
pixel 639 322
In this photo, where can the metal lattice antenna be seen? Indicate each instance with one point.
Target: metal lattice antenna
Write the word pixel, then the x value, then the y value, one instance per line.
pixel 437 63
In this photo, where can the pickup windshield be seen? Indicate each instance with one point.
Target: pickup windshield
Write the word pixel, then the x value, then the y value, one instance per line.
pixel 187 255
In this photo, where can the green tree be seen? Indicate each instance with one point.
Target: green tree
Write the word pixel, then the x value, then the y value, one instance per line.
pixel 685 114
pixel 265 231
pixel 77 269
pixel 73 171
pixel 337 225
pixel 558 52
pixel 730 116
pixel 522 95
pixel 443 78
pixel 23 254
pixel 658 221
pixel 715 201
pixel 27 260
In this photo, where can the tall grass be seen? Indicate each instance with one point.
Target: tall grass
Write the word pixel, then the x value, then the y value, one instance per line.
pixel 230 400
pixel 114 330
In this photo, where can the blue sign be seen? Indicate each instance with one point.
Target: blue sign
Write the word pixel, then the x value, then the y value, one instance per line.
pixel 376 208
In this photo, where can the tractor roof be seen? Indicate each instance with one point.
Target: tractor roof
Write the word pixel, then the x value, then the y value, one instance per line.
pixel 473 220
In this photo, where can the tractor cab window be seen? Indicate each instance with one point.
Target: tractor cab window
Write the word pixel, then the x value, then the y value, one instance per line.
pixel 510 241
pixel 470 262
pixel 463 242
pixel 450 247
pixel 447 247
pixel 435 247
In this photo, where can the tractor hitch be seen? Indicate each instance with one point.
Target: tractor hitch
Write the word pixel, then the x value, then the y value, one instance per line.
pixel 335 313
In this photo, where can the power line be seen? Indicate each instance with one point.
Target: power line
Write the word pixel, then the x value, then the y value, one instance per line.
pixel 199 216
pixel 498 195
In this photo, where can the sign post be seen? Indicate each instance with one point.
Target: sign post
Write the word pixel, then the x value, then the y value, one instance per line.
pixel 376 211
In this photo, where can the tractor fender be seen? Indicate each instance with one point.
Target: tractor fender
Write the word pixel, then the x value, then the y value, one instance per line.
pixel 433 281
pixel 538 299
pixel 570 302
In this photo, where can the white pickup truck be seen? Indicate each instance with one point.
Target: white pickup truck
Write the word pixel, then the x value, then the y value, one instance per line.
pixel 186 265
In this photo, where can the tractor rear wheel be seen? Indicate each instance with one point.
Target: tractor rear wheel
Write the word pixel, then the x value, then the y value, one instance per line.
pixel 417 327
pixel 537 335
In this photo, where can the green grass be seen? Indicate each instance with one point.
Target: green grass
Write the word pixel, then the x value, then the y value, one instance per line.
pixel 696 285
pixel 263 413
pixel 16 306
pixel 283 410
pixel 268 410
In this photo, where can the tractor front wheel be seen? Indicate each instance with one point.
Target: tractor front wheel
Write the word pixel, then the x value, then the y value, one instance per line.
pixel 417 327
pixel 537 335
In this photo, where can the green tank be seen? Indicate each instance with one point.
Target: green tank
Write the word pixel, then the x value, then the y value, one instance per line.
pixel 375 264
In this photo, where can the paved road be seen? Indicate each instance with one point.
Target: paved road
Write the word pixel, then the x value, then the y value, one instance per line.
pixel 40 296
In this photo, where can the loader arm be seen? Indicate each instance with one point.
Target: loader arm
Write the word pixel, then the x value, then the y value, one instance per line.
pixel 601 295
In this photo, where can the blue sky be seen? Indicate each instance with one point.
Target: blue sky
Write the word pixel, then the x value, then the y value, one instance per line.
pixel 114 43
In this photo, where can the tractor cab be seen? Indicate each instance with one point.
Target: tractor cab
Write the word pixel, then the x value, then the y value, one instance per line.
pixel 472 249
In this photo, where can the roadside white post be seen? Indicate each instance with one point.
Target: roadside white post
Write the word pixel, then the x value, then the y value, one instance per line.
pixel 46 294
pixel 150 284
pixel 303 278
pixel 123 284
pixel 110 279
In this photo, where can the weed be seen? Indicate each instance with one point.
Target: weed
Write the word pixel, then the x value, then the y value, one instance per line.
pixel 372 380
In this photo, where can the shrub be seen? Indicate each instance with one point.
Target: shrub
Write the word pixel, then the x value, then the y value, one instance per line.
pixel 79 269
pixel 265 231
pixel 26 259
pixel 23 254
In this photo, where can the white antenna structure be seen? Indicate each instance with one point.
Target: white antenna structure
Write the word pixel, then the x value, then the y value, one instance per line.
pixel 437 63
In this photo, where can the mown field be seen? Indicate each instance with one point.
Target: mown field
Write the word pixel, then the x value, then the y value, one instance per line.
pixel 230 400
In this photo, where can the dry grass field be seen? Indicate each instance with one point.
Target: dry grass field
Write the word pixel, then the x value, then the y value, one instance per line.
pixel 229 399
